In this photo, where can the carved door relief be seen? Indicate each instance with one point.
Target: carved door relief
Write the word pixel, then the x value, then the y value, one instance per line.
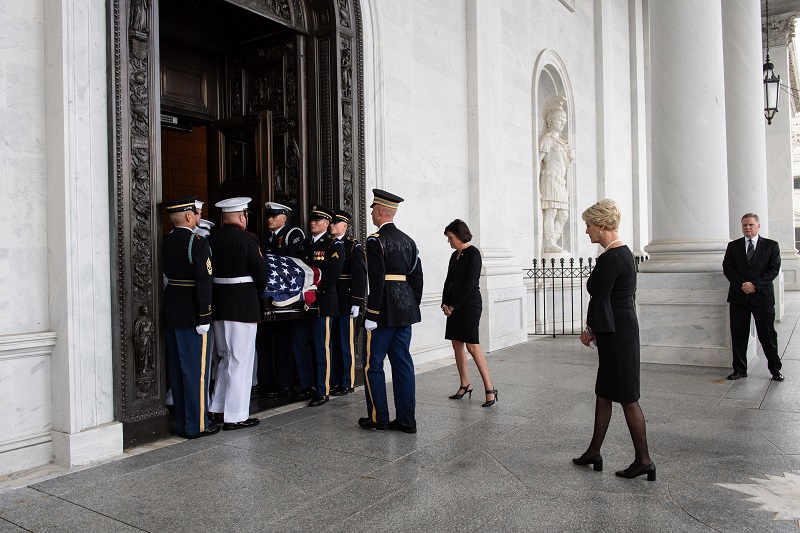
pixel 308 77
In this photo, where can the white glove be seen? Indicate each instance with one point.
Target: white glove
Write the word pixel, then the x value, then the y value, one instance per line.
pixel 369 325
pixel 354 311
pixel 202 330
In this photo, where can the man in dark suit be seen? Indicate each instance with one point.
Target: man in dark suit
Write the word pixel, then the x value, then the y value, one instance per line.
pixel 276 366
pixel 751 264
pixel 240 275
pixel 394 271
pixel 311 337
pixel 351 288
pixel 187 315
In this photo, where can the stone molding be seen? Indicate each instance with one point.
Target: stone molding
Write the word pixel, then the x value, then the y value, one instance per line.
pixel 22 345
pixel 781 29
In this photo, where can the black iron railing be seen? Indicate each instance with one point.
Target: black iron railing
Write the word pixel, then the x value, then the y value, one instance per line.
pixel 559 294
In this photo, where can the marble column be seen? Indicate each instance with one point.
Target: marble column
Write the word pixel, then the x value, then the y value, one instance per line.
pixel 83 427
pixel 779 154
pixel 504 321
pixel 682 292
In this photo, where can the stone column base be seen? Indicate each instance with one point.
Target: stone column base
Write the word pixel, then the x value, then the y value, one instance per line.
pixel 684 319
pixel 790 267
pixel 504 321
pixel 90 445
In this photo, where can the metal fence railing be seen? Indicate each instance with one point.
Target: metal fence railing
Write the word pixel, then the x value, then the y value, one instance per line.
pixel 559 294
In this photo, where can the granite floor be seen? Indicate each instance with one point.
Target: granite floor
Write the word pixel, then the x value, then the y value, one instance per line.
pixel 728 458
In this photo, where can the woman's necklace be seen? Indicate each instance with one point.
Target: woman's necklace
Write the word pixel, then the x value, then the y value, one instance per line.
pixel 611 244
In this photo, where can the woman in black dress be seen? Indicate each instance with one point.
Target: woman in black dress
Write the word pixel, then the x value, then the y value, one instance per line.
pixel 612 325
pixel 462 305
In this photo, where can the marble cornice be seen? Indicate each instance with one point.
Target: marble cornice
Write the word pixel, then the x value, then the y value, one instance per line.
pixel 17 346
pixel 781 30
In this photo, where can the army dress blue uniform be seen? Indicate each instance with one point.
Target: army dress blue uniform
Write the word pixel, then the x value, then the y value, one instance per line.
pixel 311 337
pixel 240 276
pixel 276 361
pixel 394 271
pixel 187 305
pixel 351 289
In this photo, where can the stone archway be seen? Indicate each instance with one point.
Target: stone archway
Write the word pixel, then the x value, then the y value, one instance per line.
pixel 334 171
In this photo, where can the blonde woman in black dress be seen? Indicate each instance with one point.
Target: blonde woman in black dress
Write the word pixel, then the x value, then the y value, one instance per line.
pixel 611 323
pixel 462 305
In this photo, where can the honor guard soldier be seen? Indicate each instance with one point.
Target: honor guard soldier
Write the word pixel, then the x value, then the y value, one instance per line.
pixel 394 272
pixel 351 289
pixel 187 313
pixel 240 275
pixel 276 362
pixel 311 336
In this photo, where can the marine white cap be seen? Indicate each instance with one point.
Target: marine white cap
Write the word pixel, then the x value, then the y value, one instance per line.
pixel 206 224
pixel 233 205
pixel 198 204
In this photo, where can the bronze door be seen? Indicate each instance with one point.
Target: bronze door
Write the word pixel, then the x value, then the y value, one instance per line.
pixel 241 165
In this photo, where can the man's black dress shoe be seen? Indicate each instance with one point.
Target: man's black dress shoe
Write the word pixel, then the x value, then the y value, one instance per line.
pixel 335 389
pixel 279 393
pixel 304 394
pixel 318 400
pixel 212 429
pixel 250 422
pixel 632 472
pixel 367 423
pixel 399 426
pixel 342 392
pixel 777 376
pixel 737 375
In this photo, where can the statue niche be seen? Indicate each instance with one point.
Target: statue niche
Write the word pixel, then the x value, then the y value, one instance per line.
pixel 555 156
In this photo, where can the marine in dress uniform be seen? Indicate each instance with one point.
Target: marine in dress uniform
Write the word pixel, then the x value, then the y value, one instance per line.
pixel 240 275
pixel 276 360
pixel 187 314
pixel 394 271
pixel 351 289
pixel 311 337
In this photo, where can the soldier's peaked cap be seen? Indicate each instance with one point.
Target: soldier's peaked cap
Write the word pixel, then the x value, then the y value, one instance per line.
pixel 386 199
pixel 320 213
pixel 233 205
pixel 205 224
pixel 341 216
pixel 180 204
pixel 274 208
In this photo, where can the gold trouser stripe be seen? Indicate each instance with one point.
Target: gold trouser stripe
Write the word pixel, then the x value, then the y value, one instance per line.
pixel 395 277
pixel 327 355
pixel 373 415
pixel 203 384
pixel 352 353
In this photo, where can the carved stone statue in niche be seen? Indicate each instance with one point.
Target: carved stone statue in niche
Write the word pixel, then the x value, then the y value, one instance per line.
pixel 139 20
pixel 555 156
pixel 144 338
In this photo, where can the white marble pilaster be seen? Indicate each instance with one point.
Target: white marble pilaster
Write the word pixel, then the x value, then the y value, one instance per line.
pixel 690 208
pixel 780 186
pixel 504 304
pixel 78 233
pixel 639 141
pixel 744 113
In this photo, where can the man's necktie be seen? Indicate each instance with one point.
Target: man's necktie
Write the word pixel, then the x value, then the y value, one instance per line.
pixel 751 251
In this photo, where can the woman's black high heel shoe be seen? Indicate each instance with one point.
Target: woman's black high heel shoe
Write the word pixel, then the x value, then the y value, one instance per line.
pixel 632 472
pixel 595 460
pixel 489 403
pixel 466 390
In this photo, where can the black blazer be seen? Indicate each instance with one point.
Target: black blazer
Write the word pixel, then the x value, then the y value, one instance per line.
pixel 327 254
pixel 763 270
pixel 187 297
pixel 351 287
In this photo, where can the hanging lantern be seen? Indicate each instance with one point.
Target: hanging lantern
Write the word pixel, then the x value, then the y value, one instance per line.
pixel 772 87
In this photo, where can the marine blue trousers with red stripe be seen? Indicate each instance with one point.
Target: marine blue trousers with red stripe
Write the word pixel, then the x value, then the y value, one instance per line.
pixel 393 342
pixel 187 364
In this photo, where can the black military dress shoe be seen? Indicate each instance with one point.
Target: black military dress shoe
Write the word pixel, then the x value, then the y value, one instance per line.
pixel 777 376
pixel 304 394
pixel 342 392
pixel 250 422
pixel 212 429
pixel 318 400
pixel 367 423
pixel 737 375
pixel 399 426
pixel 279 393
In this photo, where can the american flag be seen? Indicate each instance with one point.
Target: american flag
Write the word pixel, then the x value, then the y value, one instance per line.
pixel 290 280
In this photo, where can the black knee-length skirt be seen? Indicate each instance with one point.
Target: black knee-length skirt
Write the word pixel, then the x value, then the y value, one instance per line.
pixel 462 325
